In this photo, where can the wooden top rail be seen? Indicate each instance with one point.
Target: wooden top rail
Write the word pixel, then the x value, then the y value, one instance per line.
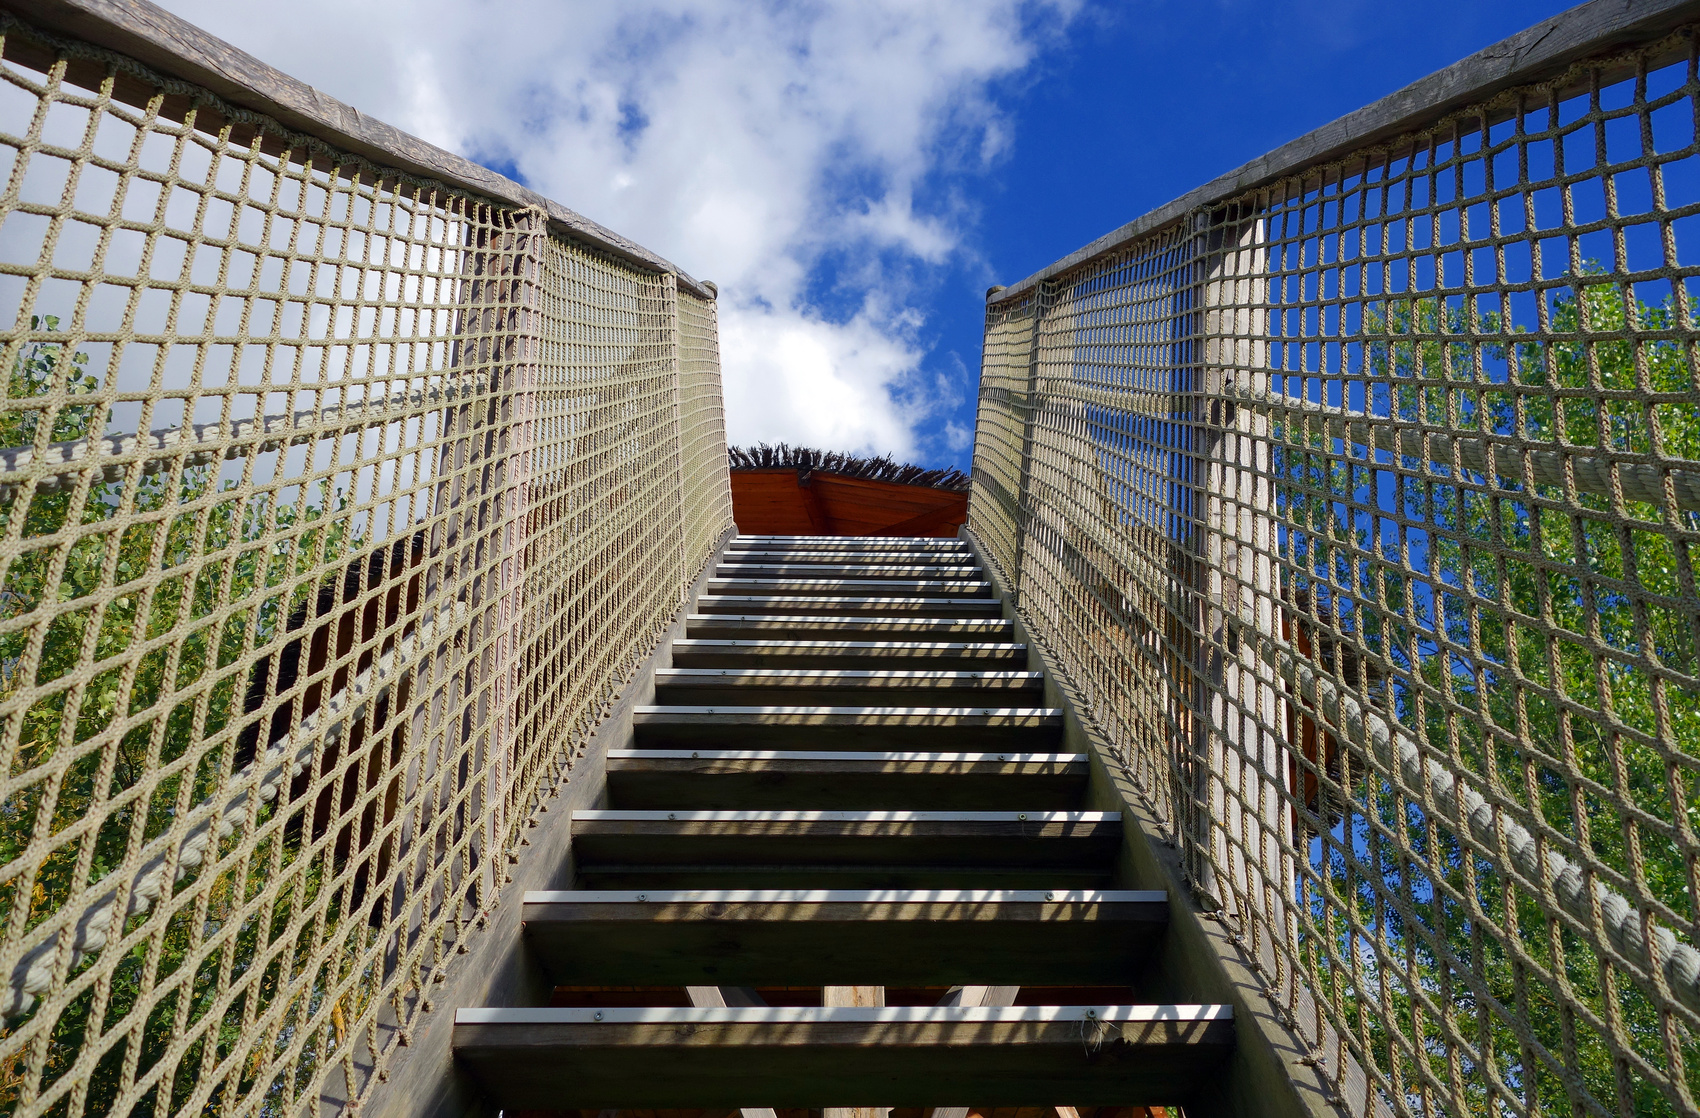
pixel 178 49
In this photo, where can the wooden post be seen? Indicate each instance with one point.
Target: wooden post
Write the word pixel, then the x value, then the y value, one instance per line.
pixel 1241 782
pixel 854 996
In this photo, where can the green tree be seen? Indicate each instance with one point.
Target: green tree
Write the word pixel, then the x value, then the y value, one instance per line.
pixel 1482 553
pixel 261 572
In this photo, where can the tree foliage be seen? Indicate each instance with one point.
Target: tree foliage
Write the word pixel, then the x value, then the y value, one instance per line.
pixel 214 549
pixel 1520 644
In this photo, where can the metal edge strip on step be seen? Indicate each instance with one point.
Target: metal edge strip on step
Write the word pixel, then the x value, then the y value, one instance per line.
pixel 846 896
pixel 828 674
pixel 941 543
pixel 874 815
pixel 966 570
pixel 841 619
pixel 810 1014
pixel 689 643
pixel 801 555
pixel 1042 715
pixel 816 600
pixel 840 755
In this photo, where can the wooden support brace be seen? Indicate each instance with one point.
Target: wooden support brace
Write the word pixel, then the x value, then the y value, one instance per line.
pixel 720 997
pixel 979 995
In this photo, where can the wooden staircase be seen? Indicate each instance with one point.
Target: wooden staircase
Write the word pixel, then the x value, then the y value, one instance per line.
pixel 845 865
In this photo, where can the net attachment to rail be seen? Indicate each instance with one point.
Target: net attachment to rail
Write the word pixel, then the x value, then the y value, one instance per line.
pixel 1360 510
pixel 335 507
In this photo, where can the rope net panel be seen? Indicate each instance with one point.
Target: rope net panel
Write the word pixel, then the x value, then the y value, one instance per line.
pixel 1361 514
pixel 335 508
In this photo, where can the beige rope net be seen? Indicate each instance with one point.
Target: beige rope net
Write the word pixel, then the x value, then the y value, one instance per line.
pixel 1361 513
pixel 335 507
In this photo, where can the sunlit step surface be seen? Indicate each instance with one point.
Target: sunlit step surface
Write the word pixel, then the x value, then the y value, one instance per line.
pixel 746 778
pixel 811 1056
pixel 801 727
pixel 910 688
pixel 845 936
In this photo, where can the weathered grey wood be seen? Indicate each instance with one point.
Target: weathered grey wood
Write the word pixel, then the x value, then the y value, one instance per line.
pixel 895 1056
pixel 716 653
pixel 819 936
pixel 720 997
pixel 973 839
pixel 860 605
pixel 931 558
pixel 178 49
pixel 843 569
pixel 1540 52
pixel 845 996
pixel 846 543
pixel 799 727
pixel 973 995
pixel 781 686
pixel 710 779
pixel 842 587
pixel 826 626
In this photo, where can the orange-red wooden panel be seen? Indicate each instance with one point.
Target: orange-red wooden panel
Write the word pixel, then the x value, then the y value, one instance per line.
pixel 774 502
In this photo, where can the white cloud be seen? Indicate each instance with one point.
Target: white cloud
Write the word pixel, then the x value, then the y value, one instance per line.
pixel 748 141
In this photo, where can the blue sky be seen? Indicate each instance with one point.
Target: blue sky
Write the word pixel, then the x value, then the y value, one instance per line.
pixel 1143 102
pixel 855 173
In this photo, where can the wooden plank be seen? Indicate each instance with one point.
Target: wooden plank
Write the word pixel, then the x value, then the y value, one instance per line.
pixel 929 557
pixel 841 687
pixel 974 839
pixel 716 653
pixel 740 568
pixel 711 779
pixel 844 543
pixel 768 626
pixel 944 520
pixel 177 48
pixel 882 604
pixel 818 1056
pixel 842 587
pixel 800 727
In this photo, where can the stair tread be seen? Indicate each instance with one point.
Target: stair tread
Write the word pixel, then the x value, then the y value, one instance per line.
pixel 884 605
pixel 787 642
pixel 834 815
pixel 917 585
pixel 919 543
pixel 873 897
pixel 843 619
pixel 836 675
pixel 850 570
pixel 1154 1012
pixel 854 1056
pixel 833 556
pixel 792 756
pixel 869 715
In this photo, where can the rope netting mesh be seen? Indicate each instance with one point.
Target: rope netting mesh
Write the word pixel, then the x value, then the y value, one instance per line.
pixel 337 506
pixel 1360 512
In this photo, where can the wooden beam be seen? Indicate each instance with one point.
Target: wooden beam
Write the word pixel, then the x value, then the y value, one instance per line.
pixel 863 1057
pixel 818 519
